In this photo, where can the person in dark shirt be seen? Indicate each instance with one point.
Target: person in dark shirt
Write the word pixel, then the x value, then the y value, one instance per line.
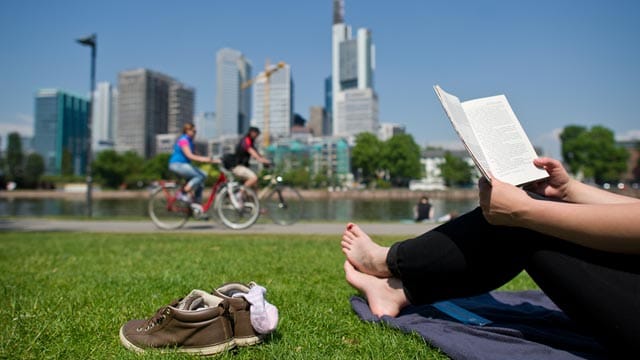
pixel 423 210
pixel 245 150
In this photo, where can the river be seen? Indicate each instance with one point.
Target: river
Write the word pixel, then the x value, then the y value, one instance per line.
pixel 374 206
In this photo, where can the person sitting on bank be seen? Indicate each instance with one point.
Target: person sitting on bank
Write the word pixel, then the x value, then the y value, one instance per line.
pixel 423 211
pixel 582 249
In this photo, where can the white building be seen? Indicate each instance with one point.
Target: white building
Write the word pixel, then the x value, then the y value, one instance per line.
pixel 356 111
pixel 104 117
pixel 277 124
pixel 431 161
pixel 388 130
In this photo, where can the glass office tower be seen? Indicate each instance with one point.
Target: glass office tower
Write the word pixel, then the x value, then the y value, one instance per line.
pixel 61 135
pixel 233 104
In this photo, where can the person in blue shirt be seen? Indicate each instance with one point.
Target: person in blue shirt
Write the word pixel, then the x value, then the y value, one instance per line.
pixel 180 163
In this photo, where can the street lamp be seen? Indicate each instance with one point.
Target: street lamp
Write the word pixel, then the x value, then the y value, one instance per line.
pixel 90 40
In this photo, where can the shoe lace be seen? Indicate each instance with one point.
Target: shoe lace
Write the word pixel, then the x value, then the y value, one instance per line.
pixel 156 319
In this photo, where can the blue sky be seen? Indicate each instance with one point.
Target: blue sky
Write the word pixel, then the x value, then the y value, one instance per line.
pixel 559 62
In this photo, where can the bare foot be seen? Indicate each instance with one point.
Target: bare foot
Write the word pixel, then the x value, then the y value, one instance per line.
pixel 365 255
pixel 385 296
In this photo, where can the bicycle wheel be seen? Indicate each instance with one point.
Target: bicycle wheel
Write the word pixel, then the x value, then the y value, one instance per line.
pixel 230 215
pixel 165 211
pixel 284 205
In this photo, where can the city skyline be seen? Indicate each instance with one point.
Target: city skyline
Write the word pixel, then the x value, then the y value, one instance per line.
pixel 559 63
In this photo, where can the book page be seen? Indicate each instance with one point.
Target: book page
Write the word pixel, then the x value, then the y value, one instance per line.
pixel 456 114
pixel 506 146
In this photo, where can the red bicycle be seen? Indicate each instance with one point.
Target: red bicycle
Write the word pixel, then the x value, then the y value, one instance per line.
pixel 236 206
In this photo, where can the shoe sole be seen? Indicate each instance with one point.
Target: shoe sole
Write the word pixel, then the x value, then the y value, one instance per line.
pixel 204 350
pixel 249 341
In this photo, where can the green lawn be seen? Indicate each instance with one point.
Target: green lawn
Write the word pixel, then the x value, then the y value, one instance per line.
pixel 65 295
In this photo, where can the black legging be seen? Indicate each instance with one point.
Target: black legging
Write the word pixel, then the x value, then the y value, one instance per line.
pixel 468 256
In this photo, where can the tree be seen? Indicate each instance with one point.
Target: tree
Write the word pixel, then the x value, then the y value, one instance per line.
pixel 158 167
pixel 401 157
pixel 111 168
pixel 107 169
pixel 3 173
pixel 15 158
pixel 67 168
pixel 298 177
pixel 455 171
pixel 33 170
pixel 572 154
pixel 321 179
pixel 134 165
pixel 593 153
pixel 366 155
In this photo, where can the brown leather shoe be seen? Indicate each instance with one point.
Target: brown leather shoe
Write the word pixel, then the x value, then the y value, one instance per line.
pixel 197 324
pixel 239 310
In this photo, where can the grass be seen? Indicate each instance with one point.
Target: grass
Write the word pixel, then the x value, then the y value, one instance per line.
pixel 67 294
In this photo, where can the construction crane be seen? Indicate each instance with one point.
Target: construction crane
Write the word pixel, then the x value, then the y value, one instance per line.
pixel 268 71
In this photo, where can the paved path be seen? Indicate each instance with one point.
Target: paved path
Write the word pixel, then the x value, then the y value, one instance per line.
pixel 33 224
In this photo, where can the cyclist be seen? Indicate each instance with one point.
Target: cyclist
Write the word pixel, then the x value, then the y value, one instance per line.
pixel 180 163
pixel 239 161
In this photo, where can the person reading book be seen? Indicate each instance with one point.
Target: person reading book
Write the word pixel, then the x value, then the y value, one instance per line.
pixel 582 250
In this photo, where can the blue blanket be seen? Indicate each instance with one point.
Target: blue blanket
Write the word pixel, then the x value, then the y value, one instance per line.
pixel 521 325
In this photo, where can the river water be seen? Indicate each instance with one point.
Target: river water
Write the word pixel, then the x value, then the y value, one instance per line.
pixel 314 209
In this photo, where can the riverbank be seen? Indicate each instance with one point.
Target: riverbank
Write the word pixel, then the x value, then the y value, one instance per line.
pixel 383 194
pixel 307 194
pixel 208 227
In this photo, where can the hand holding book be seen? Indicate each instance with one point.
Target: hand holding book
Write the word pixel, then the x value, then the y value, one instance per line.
pixel 494 138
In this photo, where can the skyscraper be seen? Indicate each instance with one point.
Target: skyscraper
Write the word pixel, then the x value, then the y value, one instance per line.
pixel 318 123
pixel 280 103
pixel 181 107
pixel 233 104
pixel 150 103
pixel 339 33
pixel 354 103
pixel 60 131
pixel 103 124
pixel 327 128
pixel 205 123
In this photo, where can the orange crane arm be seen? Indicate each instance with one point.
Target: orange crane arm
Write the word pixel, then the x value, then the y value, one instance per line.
pixel 268 71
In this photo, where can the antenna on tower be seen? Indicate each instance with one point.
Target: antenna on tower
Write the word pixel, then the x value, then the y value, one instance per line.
pixel 338 11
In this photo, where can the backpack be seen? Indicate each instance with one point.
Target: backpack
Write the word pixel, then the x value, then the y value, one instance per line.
pixel 229 161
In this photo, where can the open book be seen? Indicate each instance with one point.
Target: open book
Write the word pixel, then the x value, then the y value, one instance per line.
pixel 492 134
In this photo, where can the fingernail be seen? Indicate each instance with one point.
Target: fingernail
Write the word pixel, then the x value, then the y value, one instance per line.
pixel 349 226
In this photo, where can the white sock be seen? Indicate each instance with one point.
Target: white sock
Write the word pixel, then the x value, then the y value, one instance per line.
pixel 263 315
